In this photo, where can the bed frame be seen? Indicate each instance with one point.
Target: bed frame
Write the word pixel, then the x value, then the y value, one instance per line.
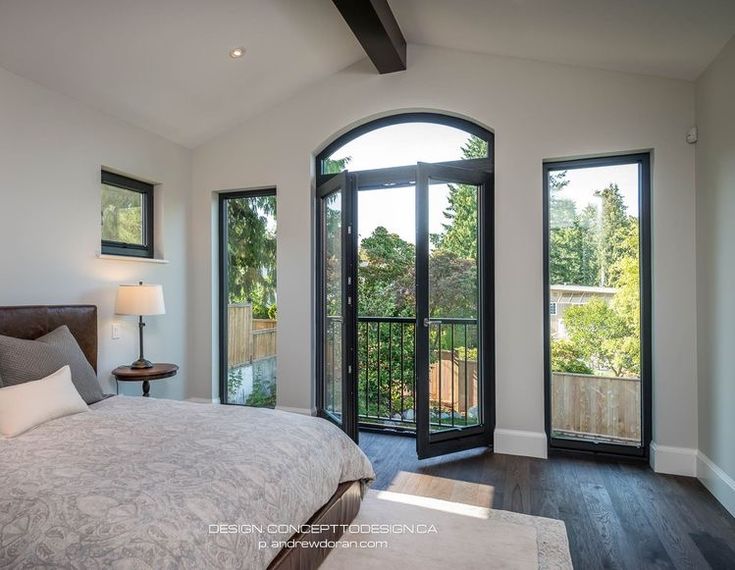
pixel 33 321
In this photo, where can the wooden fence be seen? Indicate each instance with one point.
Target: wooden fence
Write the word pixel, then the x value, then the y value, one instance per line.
pixel 458 381
pixel 587 406
pixel 596 407
pixel 248 339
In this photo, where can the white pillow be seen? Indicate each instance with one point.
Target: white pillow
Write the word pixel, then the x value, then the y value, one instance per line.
pixel 25 406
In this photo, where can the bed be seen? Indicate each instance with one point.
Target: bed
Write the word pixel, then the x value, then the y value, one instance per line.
pixel 146 483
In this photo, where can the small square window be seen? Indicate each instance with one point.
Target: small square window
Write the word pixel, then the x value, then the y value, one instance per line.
pixel 127 216
pixel 552 308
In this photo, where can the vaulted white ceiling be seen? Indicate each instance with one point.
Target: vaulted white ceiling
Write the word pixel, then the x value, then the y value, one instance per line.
pixel 163 64
pixel 669 38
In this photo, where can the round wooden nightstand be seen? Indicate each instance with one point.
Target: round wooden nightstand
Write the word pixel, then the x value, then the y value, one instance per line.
pixel 158 371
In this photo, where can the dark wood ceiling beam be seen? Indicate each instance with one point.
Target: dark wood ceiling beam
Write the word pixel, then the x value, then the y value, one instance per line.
pixel 377 30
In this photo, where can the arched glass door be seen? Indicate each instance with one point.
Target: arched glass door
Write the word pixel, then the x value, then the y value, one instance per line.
pixel 405 241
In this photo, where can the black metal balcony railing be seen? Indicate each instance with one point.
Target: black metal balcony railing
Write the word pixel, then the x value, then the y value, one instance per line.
pixel 386 393
pixel 386 371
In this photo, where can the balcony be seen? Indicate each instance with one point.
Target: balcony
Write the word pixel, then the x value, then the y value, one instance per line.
pixel 387 377
pixel 584 406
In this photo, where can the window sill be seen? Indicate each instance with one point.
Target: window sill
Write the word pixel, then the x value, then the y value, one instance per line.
pixel 131 258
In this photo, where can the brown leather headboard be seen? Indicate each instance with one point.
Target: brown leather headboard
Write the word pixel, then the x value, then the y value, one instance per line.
pixel 33 321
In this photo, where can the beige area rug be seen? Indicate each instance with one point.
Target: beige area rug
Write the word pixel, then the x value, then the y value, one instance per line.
pixel 443 534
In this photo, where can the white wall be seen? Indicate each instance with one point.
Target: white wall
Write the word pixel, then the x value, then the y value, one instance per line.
pixel 51 151
pixel 716 274
pixel 538 111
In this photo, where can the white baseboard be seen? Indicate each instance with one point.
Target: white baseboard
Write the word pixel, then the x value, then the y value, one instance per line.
pixel 673 460
pixel 719 483
pixel 303 411
pixel 203 400
pixel 518 442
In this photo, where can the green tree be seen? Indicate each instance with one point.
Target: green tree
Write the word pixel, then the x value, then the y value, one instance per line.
pixel 562 211
pixel 588 219
pixel 475 147
pixel 333 254
pixel 460 228
pixel 335 166
pixel 251 251
pixel 602 335
pixel 573 255
pixel 452 285
pixel 627 304
pixel 386 275
pixel 566 357
pixel 614 227
pixel 625 247
pixel 122 215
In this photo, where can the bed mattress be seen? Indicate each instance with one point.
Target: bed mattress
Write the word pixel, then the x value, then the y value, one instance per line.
pixel 149 483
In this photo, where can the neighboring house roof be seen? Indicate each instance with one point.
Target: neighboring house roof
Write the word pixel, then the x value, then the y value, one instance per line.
pixel 584 289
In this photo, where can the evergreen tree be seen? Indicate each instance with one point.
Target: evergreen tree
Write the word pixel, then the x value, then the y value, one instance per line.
pixel 251 251
pixel 335 166
pixel 573 257
pixel 562 211
pixel 460 229
pixel 614 226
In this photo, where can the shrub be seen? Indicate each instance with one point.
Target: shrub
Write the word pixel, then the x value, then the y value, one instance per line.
pixel 566 357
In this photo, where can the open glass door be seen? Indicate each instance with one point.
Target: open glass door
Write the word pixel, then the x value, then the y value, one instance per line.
pixel 336 367
pixel 454 329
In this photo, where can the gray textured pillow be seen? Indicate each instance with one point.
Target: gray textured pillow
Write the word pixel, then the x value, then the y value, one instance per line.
pixel 27 360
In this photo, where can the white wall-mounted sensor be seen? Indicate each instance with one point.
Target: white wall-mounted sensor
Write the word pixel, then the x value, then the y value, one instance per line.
pixel 692 135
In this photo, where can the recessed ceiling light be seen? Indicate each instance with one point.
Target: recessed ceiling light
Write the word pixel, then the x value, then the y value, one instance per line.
pixel 237 52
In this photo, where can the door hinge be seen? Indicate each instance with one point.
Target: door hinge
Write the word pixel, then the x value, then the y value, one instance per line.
pixel 349 301
pixel 349 369
pixel 349 230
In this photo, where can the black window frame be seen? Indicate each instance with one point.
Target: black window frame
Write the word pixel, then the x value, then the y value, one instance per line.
pixel 222 198
pixel 146 250
pixel 569 446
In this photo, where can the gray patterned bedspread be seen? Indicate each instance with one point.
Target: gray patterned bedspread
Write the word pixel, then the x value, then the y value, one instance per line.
pixel 137 482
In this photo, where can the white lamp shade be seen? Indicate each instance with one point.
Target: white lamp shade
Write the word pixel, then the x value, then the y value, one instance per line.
pixel 144 299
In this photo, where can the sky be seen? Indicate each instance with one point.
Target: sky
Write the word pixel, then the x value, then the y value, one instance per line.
pixel 401 145
pixel 409 143
pixel 583 182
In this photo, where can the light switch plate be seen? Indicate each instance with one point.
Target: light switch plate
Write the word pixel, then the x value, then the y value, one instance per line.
pixel 115 331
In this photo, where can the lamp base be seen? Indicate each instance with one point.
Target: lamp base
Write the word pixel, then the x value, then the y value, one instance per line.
pixel 141 363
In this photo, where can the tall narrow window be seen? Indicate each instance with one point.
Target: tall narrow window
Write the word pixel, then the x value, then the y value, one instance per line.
pixel 248 310
pixel 598 304
pixel 127 216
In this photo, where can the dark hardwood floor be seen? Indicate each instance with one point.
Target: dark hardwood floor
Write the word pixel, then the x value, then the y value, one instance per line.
pixel 618 515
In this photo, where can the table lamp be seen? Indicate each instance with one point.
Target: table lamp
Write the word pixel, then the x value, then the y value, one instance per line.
pixel 141 300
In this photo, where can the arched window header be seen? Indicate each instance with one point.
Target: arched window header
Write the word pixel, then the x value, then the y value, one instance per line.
pixel 405 139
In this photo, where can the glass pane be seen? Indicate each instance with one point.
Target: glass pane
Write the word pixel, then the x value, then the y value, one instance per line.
pixel 122 215
pixel 594 312
pixel 252 309
pixel 453 306
pixel 405 144
pixel 386 306
pixel 333 303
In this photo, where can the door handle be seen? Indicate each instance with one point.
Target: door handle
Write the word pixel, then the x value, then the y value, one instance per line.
pixel 428 322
